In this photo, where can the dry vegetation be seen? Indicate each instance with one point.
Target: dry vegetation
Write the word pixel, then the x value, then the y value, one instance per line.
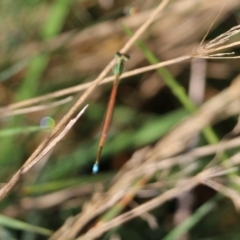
pixel 169 169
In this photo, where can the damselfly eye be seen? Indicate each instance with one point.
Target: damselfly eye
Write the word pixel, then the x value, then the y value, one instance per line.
pixel 125 57
pixel 121 56
pixel 117 55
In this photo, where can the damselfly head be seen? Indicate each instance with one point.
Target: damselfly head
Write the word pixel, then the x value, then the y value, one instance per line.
pixel 121 57
pixel 119 65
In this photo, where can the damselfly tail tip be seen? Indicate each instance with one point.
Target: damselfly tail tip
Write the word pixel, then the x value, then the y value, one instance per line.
pixel 95 168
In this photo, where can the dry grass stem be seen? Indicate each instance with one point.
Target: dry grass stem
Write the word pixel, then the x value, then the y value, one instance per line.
pixel 28 165
pixel 183 186
pixel 190 156
pixel 212 47
pixel 175 142
pixel 56 198
pixel 82 99
pixel 226 191
pixel 13 112
pixel 233 161
pixel 202 52
pixel 85 86
pixel 173 165
pixel 213 22
pixel 221 39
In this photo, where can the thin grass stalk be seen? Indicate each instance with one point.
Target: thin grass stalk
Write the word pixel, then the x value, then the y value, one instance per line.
pixel 175 87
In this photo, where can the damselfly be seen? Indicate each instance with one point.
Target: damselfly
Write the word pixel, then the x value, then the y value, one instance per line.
pixel 117 71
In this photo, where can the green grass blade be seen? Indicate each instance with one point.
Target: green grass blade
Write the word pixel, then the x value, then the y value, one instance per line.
pixel 30 84
pixel 175 87
pixel 190 222
pixel 15 131
pixel 16 224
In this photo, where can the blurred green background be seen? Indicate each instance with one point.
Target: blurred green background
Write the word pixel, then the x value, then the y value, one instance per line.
pixel 50 45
